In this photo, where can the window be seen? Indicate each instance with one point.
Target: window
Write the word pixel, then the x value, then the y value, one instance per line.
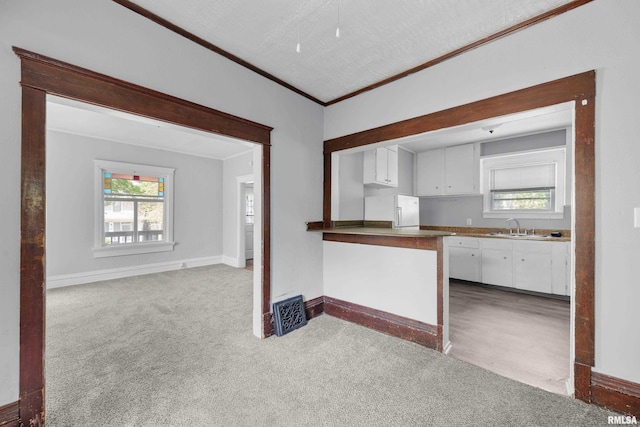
pixel 134 207
pixel 524 185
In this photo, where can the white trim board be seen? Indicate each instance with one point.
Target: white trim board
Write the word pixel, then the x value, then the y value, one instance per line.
pixel 137 270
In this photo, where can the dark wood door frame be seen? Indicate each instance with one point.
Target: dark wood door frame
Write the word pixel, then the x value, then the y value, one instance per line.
pixel 41 75
pixel 581 89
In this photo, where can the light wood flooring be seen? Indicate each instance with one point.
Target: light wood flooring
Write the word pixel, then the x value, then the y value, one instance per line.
pixel 515 335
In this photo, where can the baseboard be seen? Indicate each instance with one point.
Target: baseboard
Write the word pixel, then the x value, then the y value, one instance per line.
pixel 447 347
pixel 314 307
pixel 233 262
pixel 392 324
pixel 616 394
pixel 10 415
pixel 136 270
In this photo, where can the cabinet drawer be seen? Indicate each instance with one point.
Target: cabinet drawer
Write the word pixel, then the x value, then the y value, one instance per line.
pixel 499 243
pixel 463 242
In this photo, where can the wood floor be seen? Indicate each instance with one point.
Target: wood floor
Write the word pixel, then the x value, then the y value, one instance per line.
pixel 523 337
pixel 249 265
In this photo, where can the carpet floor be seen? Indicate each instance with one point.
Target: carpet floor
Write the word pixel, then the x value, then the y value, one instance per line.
pixel 176 349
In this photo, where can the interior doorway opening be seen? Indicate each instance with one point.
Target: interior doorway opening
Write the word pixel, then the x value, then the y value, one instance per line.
pixel 43 76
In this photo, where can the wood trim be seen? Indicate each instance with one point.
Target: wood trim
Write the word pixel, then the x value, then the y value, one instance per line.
pixel 326 192
pixel 584 229
pixel 440 291
pixel 574 88
pixel 616 394
pixel 79 83
pixel 267 326
pixel 32 255
pixel 314 307
pixel 515 28
pixel 42 75
pixel 391 324
pixel 582 382
pixel 10 415
pixel 411 242
pixel 580 88
pixel 210 46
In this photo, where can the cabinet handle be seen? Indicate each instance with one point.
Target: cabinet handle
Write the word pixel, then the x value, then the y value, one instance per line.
pixel 473 254
pixel 522 259
pixel 505 257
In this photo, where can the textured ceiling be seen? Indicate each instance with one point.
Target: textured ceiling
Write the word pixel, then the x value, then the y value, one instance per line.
pixel 378 39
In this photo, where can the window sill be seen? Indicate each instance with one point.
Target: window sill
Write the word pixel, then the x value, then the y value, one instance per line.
pixel 132 249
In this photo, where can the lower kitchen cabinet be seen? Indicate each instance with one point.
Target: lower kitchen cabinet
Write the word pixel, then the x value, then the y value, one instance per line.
pixel 522 264
pixel 464 258
pixel 497 262
pixel 532 266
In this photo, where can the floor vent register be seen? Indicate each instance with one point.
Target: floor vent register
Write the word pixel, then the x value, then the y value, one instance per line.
pixel 289 315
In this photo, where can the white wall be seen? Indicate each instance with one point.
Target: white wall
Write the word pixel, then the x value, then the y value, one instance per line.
pixel 108 38
pixel 601 35
pixel 70 205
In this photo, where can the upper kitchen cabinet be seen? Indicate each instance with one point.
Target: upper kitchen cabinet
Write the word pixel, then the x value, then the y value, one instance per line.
pixel 448 171
pixel 381 167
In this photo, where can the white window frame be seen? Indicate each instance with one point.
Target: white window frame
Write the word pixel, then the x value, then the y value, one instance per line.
pixel 556 156
pixel 100 250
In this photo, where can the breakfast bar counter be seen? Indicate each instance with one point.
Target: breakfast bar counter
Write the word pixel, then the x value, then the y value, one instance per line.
pixel 391 280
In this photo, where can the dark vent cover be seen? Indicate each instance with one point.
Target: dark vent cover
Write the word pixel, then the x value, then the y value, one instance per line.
pixel 289 315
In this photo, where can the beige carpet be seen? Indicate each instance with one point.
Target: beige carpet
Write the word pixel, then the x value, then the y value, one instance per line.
pixel 176 349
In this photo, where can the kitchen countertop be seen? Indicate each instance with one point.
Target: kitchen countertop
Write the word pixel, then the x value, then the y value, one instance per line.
pixel 383 228
pixel 379 231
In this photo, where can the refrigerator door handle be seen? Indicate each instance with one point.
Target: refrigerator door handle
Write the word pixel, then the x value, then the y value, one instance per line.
pixel 398 216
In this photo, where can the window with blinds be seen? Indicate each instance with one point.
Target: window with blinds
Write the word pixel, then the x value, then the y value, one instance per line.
pixel 529 184
pixel 526 187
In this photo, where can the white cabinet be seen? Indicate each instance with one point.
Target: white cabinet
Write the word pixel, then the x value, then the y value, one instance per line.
pixel 539 266
pixel 448 171
pixel 497 262
pixel 381 167
pixel 464 258
pixel 430 173
pixel 532 266
pixel 461 167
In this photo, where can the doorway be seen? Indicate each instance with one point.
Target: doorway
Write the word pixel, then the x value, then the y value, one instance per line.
pixel 42 76
pixel 579 89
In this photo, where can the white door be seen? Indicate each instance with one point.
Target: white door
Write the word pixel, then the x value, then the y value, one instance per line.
pixel 248 239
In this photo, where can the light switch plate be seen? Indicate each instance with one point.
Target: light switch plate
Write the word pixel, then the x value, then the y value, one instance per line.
pixel 636 217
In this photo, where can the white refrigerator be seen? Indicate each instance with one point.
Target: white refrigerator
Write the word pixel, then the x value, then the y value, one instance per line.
pixel 402 211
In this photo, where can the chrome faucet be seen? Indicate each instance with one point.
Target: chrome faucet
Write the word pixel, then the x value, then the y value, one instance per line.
pixel 517 226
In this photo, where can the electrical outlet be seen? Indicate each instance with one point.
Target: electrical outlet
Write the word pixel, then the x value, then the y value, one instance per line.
pixel 469 222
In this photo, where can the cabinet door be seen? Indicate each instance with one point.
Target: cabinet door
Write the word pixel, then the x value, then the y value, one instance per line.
pixel 430 173
pixel 532 270
pixel 392 165
pixel 497 267
pixel 464 264
pixel 460 169
pixel 382 160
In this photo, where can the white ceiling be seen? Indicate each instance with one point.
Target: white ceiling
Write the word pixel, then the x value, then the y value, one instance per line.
pixel 379 38
pixel 79 118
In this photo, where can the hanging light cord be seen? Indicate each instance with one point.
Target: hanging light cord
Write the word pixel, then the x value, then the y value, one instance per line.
pixel 298 45
pixel 338 26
